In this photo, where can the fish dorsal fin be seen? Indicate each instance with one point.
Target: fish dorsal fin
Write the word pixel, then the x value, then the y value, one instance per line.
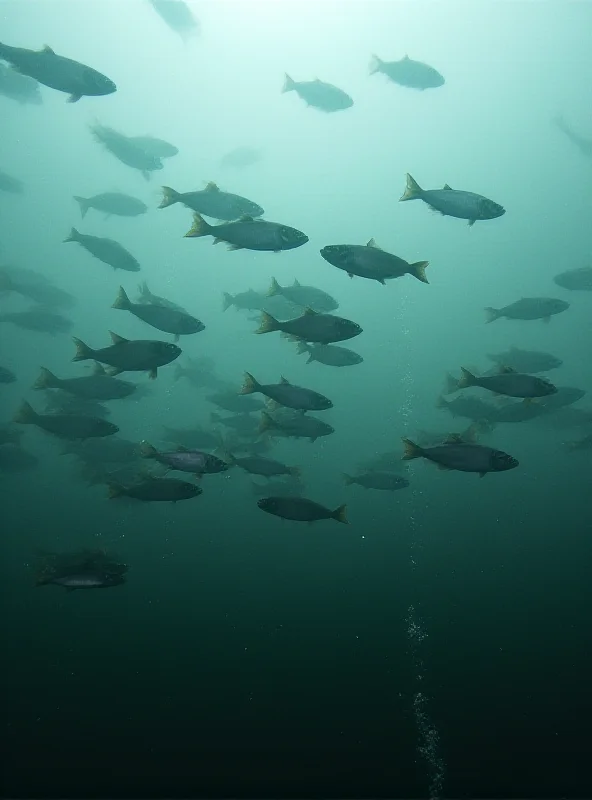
pixel 373 244
pixel 503 370
pixel 296 282
pixel 454 438
pixel 308 312
pixel 246 218
pixel 116 338
pixel 448 188
pixel 47 49
pixel 285 381
pixel 98 369
pixel 212 187
pixel 181 449
pixel 406 57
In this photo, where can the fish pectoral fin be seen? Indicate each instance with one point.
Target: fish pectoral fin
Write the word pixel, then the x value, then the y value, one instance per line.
pixel 350 274
pixel 482 474
pixel 472 222
pixel 232 246
pixel 74 98
pixel 153 373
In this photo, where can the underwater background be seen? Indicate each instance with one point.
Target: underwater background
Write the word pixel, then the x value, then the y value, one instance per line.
pixel 437 646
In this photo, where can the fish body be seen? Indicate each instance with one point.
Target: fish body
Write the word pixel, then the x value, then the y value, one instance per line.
pixel 192 438
pixel 509 383
pixel 235 403
pixel 305 296
pixel 384 481
pixel 409 73
pixel 34 286
pixel 287 394
pixel 58 72
pixel 10 184
pixel 294 426
pixel 7 375
pixel 19 87
pixel 531 361
pixel 454 203
pixel 124 150
pixel 85 580
pixel 240 157
pixel 564 396
pixel 528 308
pixel 163 319
pixel 462 456
pixel 14 458
pixel 312 327
pixel 106 250
pixel 183 460
pixel 146 296
pixel 121 205
pixel 469 407
pixel 112 450
pixel 250 234
pixel 98 386
pixel 300 509
pixel 258 465
pixel 372 262
pixel 319 94
pixel 126 355
pixel 38 319
pixel 579 280
pixel 212 202
pixel 156 148
pixel 162 490
pixel 178 16
pixel 329 354
pixel 242 424
pixel 65 426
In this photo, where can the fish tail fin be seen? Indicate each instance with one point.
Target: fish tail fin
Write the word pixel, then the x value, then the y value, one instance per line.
pixel 339 515
pixel 375 64
pixel 442 402
pixel 83 351
pixel 301 348
pixel 26 414
pixel 250 385
pixel 451 385
pixel 266 423
pixel 169 197
pixel 274 289
pixel 46 380
pixel 268 324
pixel 73 236
pixel 348 479
pixel 84 205
pixel 492 314
pixel 147 450
pixel 418 270
pixel 122 301
pixel 115 490
pixel 413 190
pixel 199 228
pixel 289 84
pixel 227 301
pixel 467 379
pixel 412 450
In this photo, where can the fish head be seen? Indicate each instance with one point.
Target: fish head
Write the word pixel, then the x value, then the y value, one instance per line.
pixel 490 210
pixel 255 210
pixel 292 237
pixel 268 504
pixel 214 464
pixel 546 387
pixel 501 462
pixel 167 349
pixel 347 326
pixel 557 306
pixel 95 84
pixel 339 255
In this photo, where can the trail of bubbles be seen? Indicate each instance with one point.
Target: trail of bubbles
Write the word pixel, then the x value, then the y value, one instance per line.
pixel 428 745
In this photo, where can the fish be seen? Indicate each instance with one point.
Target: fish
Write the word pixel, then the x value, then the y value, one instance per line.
pixel 240 157
pixel 584 443
pixel 242 424
pixel 312 327
pixel 506 382
pixel 283 487
pixel 258 465
pixel 98 386
pixel 454 203
pixel 111 450
pixel 19 87
pixel 212 202
pixel 385 481
pixel 146 296
pixel 178 16
pixel 528 308
pixel 57 72
pixel 10 184
pixel 318 94
pixel 65 426
pixel 61 402
pixel 579 280
pixel 305 296
pixel 163 319
pixel 294 426
pixel 409 73
pixel 531 361
pixel 567 417
pixel 84 569
pixel 287 394
pixel 184 460
pixel 163 490
pixel 235 403
pixel 456 454
pixel 126 355
pixel 249 234
pixel 9 435
pixel 300 509
pixel 125 150
pixel 277 305
pixel 93 579
pixel 370 261
pixel 469 407
pixel 34 286
pixel 106 250
pixel 7 375
pixel 121 205
pixel 519 412
pixel 200 373
pixel 564 396
pixel 39 320
pixel 14 458
pixel 157 148
pixel 329 354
